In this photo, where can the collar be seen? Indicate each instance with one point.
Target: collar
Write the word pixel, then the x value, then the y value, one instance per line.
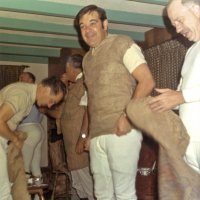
pixel 79 76
pixel 101 43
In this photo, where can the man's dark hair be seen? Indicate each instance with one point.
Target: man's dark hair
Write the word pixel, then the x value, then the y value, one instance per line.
pixel 89 9
pixel 55 84
pixel 75 60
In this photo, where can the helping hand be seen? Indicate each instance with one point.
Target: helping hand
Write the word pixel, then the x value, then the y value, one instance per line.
pixel 166 100
pixel 18 141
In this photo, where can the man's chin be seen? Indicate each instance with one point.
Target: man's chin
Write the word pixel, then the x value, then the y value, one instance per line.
pixel 191 37
pixel 92 43
pixel 37 104
pixel 41 106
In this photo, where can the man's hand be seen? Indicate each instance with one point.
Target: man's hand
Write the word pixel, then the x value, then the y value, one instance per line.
pixel 80 146
pixel 167 100
pixel 83 143
pixel 87 144
pixel 123 125
pixel 18 141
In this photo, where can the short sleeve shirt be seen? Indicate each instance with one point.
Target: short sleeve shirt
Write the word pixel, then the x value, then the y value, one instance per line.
pixel 133 58
pixel 20 97
pixel 35 116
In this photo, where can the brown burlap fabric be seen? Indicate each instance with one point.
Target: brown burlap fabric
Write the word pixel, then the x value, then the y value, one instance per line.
pixel 176 180
pixel 16 172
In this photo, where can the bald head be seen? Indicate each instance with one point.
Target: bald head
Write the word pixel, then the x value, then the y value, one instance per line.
pixel 197 2
pixel 185 17
pixel 27 77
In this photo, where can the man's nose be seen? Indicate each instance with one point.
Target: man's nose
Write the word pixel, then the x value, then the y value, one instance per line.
pixel 50 105
pixel 87 28
pixel 178 28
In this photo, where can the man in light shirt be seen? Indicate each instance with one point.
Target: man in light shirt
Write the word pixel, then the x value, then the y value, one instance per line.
pixel 16 101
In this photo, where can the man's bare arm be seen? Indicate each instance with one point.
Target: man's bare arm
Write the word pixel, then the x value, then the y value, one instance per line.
pixel 7 113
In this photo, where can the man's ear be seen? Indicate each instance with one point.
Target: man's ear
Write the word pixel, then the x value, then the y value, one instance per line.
pixel 46 89
pixel 105 25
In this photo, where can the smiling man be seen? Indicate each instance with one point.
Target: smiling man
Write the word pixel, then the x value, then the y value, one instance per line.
pixel 16 101
pixel 187 20
pixel 185 17
pixel 112 67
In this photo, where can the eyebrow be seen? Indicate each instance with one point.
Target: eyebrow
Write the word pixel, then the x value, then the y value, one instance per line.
pixel 96 20
pixel 91 20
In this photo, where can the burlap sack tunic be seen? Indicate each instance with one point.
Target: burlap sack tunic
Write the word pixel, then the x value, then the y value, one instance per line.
pixel 176 180
pixel 110 85
pixel 71 121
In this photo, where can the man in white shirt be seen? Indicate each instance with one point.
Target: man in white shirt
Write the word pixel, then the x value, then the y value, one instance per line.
pixel 185 18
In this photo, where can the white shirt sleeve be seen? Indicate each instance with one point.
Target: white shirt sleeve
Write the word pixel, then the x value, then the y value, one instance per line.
pixel 83 101
pixel 190 85
pixel 191 94
pixel 133 58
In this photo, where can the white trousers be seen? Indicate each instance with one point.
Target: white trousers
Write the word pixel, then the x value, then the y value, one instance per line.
pixel 32 148
pixel 192 156
pixel 114 162
pixel 5 186
pixel 83 183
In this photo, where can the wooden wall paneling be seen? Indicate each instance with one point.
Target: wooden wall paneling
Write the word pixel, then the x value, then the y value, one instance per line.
pixel 157 36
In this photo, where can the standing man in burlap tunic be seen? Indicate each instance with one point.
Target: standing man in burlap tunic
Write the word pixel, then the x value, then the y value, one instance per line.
pixel 72 119
pixel 74 124
pixel 112 67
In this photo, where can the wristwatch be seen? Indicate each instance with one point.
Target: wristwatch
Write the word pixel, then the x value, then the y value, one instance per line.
pixel 83 135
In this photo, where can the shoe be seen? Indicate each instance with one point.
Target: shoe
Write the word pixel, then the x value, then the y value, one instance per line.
pixel 30 181
pixel 29 178
pixel 38 181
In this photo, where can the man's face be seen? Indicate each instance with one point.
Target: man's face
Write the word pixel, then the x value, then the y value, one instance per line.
pixel 92 29
pixel 46 98
pixel 186 19
pixel 64 78
pixel 69 70
pixel 24 77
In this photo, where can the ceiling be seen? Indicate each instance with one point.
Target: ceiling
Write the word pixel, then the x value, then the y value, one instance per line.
pixel 34 30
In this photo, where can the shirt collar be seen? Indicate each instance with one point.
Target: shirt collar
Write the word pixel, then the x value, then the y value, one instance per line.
pixel 79 76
